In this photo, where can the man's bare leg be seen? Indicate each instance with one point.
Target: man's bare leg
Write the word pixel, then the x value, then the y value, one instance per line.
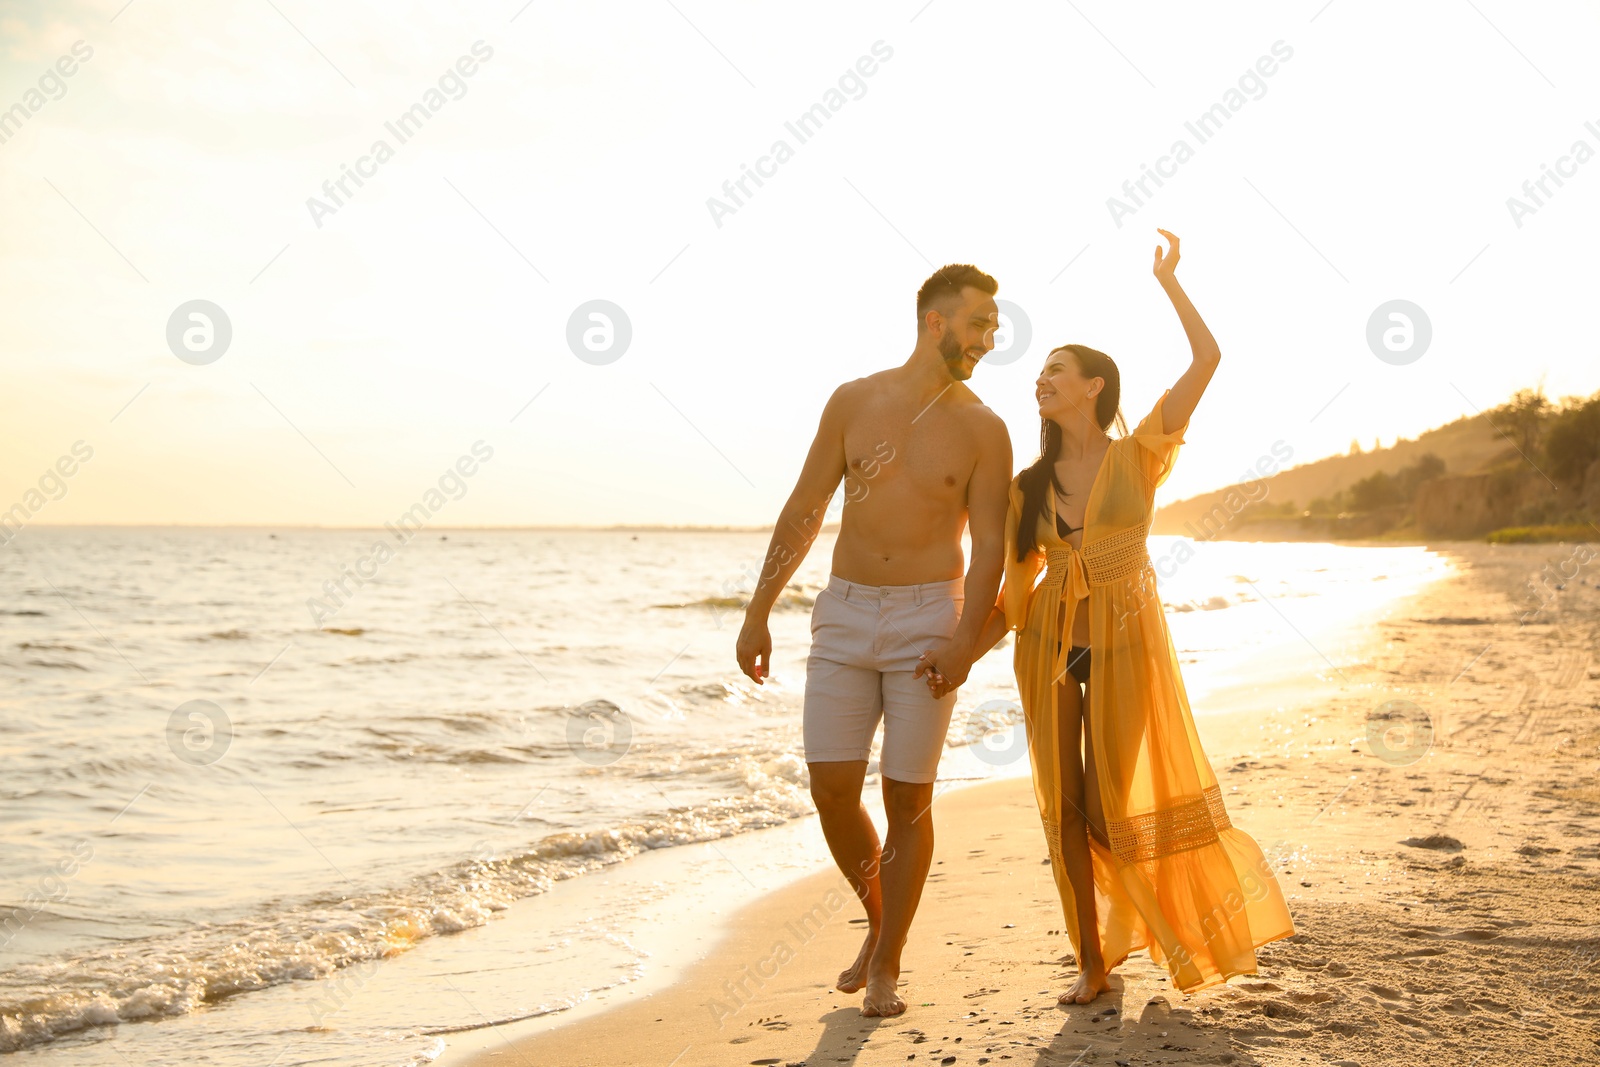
pixel 907 855
pixel 853 840
pixel 1075 854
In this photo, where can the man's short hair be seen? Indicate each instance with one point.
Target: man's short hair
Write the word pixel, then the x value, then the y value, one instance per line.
pixel 948 281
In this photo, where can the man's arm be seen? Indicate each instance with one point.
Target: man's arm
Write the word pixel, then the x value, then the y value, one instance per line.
pixel 986 523
pixel 792 537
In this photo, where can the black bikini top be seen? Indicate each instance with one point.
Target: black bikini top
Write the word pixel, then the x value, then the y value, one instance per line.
pixel 1061 527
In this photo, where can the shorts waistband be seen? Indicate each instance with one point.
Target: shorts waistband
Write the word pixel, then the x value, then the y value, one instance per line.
pixel 847 590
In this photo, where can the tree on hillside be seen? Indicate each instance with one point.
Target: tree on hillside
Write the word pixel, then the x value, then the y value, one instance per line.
pixel 1522 418
pixel 1383 490
pixel 1373 491
pixel 1325 505
pixel 1572 439
pixel 1427 467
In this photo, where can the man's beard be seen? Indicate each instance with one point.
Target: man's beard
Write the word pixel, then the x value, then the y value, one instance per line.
pixel 954 357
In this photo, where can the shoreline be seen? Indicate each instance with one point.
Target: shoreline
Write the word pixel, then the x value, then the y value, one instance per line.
pixel 1237 701
pixel 524 934
pixel 1256 749
pixel 1384 967
pixel 816 920
pixel 692 925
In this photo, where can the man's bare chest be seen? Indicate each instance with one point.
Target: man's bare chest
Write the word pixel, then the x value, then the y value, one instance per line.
pixel 932 452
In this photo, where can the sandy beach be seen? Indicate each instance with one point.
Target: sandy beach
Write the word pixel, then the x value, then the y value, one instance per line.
pixel 1442 879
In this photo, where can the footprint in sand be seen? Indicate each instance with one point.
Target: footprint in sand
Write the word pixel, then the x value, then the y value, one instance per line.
pixel 1406 1020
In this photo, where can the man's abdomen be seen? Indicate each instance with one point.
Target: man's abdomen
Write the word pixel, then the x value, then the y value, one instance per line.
pixel 904 548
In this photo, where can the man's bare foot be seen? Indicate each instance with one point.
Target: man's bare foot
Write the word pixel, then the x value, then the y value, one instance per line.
pixel 881 998
pixel 854 976
pixel 1090 984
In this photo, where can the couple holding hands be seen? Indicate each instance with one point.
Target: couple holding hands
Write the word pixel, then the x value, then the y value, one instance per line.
pixel 1140 844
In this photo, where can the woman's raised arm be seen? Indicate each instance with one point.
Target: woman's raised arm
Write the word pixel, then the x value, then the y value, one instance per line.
pixel 1186 392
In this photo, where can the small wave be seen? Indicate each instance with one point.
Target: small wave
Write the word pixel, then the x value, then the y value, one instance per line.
pixel 790 599
pixel 491 755
pixel 176 974
pixel 722 691
pixel 464 721
pixel 404 748
pixel 225 635
pixel 987 718
pixel 39 613
pixel 354 631
pixel 1215 603
pixel 60 665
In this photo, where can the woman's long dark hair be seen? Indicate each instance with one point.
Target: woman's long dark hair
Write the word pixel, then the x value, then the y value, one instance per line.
pixel 1040 476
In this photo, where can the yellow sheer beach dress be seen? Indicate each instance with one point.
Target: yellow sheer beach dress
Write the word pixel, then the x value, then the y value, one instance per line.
pixel 1179 879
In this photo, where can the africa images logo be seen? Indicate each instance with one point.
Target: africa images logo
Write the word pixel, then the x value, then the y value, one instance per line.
pixel 403 128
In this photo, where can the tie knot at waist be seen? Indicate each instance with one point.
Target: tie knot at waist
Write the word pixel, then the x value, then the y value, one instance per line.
pixel 1109 559
pixel 1121 555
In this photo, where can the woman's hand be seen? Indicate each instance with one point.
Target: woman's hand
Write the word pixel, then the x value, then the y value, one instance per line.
pixel 1185 393
pixel 994 628
pixel 946 667
pixel 1167 263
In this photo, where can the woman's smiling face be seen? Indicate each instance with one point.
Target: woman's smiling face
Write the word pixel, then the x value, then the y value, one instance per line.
pixel 1061 387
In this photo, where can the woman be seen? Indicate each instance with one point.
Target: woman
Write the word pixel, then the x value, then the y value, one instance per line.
pixel 1140 844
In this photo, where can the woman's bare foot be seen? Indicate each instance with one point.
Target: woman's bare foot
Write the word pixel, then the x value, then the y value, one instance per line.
pixel 881 998
pixel 854 976
pixel 1090 984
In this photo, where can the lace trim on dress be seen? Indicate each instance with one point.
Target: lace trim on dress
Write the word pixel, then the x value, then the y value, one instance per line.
pixel 1119 555
pixel 1140 838
pixel 1052 838
pixel 1123 554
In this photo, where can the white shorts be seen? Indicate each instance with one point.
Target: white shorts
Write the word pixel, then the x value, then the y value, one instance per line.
pixel 865 642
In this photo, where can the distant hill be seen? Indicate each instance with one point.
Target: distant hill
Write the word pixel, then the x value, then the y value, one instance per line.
pixel 1464 445
pixel 1463 479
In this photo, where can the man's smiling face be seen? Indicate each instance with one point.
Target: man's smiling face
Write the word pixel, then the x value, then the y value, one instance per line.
pixel 968 334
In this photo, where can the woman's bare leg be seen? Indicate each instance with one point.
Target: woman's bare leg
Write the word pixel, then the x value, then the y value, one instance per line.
pixel 1075 845
pixel 1092 809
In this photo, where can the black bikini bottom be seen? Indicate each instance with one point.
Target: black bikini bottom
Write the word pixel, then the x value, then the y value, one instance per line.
pixel 1078 662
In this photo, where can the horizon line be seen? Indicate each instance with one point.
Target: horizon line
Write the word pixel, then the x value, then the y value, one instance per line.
pixel 590 528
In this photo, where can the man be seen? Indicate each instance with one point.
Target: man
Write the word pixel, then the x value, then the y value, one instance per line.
pixel 922 459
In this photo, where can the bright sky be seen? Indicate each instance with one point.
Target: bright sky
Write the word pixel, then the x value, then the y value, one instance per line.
pixel 373 344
